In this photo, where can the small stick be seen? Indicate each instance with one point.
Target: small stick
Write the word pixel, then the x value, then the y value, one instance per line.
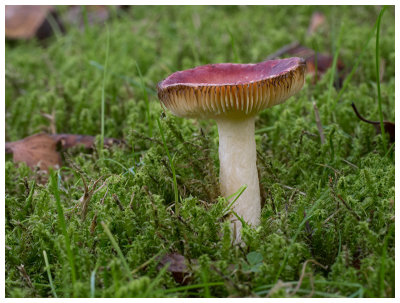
pixel 102 199
pixel 116 199
pixel 308 133
pixel 292 188
pixel 319 125
pixel 131 202
pixel 24 274
pixel 52 119
pixel 226 278
pixel 349 208
pixel 331 216
pixel 349 163
pixel 303 273
pixel 283 50
pixel 93 224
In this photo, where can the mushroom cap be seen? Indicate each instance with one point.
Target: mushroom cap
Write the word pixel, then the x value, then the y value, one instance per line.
pixel 231 90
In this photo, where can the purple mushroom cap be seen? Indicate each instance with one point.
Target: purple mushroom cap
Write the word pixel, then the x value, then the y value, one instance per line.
pixel 228 89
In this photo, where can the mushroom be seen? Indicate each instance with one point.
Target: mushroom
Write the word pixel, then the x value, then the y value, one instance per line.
pixel 232 95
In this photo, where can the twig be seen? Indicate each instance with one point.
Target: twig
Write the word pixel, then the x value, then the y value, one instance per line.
pixel 93 224
pixel 283 50
pixel 102 199
pixel 292 188
pixel 277 287
pixel 319 125
pixel 101 186
pixel 226 278
pixel 146 263
pixel 303 273
pixel 349 208
pixel 151 139
pixel 328 166
pixel 349 163
pixel 87 196
pixel 131 202
pixel 116 199
pixel 308 133
pixel 331 216
pixel 52 119
pixel 24 274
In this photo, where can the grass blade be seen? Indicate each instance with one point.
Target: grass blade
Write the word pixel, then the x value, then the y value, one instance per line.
pixel 310 214
pixel 146 263
pixel 46 261
pixel 155 281
pixel 146 99
pixel 103 92
pixel 382 269
pixel 233 45
pixel 237 194
pixel 171 163
pixel 334 63
pixel 63 226
pixel 194 286
pixel 358 61
pixel 204 278
pixel 378 82
pixel 93 282
pixel 116 247
pixel 28 203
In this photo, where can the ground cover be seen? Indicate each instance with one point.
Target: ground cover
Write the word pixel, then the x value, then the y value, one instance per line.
pixel 327 226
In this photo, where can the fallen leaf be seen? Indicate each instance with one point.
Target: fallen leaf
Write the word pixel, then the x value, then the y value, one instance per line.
pixel 28 21
pixel 42 149
pixel 388 126
pixel 177 266
pixel 37 150
pixel 317 63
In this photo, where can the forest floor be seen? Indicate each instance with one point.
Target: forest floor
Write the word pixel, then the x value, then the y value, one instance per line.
pixel 106 225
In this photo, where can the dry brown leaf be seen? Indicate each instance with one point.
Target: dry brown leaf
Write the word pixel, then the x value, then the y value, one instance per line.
pixel 177 266
pixel 37 150
pixel 41 149
pixel 27 21
pixel 317 64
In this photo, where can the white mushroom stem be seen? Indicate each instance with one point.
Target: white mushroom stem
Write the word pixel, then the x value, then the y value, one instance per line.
pixel 238 157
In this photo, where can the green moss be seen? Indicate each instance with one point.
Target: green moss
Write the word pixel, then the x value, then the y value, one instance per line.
pixel 345 188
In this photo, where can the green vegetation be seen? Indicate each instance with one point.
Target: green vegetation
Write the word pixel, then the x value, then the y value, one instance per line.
pixel 327 226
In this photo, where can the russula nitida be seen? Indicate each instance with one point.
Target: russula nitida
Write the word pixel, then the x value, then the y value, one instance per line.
pixel 232 95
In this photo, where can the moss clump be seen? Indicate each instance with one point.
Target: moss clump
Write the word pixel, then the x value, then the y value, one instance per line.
pixel 328 211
